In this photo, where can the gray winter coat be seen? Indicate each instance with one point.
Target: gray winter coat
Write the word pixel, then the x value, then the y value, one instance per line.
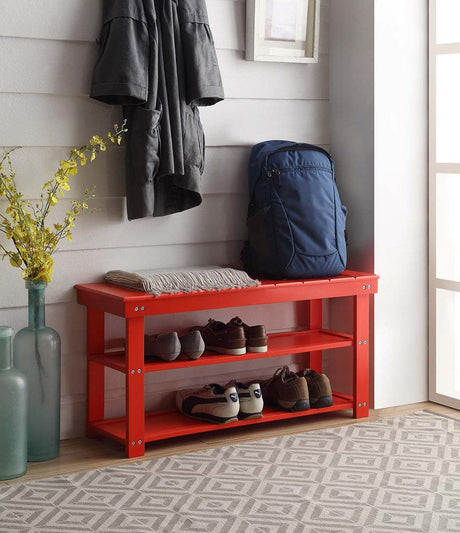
pixel 157 59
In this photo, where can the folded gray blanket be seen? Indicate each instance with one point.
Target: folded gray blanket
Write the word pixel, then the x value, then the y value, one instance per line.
pixel 187 279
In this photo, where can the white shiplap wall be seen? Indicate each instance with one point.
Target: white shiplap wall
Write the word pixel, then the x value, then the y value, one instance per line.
pixel 47 51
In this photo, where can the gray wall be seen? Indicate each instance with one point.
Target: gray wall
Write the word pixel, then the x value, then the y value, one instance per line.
pixel 47 50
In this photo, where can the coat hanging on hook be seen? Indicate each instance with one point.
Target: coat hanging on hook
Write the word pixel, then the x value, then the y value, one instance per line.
pixel 157 59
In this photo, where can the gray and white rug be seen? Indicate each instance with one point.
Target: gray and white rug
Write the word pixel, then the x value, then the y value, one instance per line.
pixel 392 475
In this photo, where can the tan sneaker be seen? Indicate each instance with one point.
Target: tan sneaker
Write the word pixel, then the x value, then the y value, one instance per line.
pixel 256 336
pixel 212 403
pixel 224 339
pixel 286 390
pixel 250 398
pixel 319 388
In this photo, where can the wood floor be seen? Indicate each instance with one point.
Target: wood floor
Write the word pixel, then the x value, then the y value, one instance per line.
pixel 82 454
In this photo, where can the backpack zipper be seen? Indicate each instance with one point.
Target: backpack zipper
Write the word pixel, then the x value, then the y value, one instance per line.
pixel 311 147
pixel 276 172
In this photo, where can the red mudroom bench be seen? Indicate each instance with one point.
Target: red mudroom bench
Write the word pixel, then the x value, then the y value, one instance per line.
pixel 138 427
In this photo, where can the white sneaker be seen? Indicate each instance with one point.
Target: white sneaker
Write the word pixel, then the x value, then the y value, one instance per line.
pixel 250 398
pixel 212 403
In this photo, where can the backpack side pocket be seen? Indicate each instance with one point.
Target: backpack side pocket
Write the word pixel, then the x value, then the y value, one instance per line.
pixel 270 240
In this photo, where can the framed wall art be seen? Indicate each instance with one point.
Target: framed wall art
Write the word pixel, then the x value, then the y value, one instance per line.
pixel 282 30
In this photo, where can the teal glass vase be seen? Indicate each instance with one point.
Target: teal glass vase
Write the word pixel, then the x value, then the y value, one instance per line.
pixel 37 353
pixel 13 413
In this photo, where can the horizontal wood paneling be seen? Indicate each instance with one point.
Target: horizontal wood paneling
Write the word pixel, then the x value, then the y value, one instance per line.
pixel 260 79
pixel 88 266
pixel 225 171
pixel 47 53
pixel 81 21
pixel 48 120
pixel 34 165
pixel 65 67
pixel 252 121
pixel 54 67
pixel 218 218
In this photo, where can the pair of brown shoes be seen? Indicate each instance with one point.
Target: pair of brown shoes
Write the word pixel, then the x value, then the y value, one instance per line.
pixel 299 391
pixel 233 338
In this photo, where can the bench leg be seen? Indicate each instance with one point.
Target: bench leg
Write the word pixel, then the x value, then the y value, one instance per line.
pixel 315 321
pixel 95 372
pixel 135 405
pixel 361 356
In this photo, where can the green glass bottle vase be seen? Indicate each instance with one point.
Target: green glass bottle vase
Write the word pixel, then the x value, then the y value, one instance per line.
pixel 13 413
pixel 37 353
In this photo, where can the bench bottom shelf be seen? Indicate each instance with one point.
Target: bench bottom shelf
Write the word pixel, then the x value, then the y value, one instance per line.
pixel 161 425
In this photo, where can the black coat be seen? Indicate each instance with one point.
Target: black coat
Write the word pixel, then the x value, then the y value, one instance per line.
pixel 157 59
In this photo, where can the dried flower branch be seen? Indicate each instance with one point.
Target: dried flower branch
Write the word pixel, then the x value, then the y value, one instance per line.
pixel 24 222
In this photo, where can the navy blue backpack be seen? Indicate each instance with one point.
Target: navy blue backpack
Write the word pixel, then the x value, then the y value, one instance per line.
pixel 296 222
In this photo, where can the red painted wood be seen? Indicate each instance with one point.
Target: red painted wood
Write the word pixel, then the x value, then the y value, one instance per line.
pixel 361 356
pixel 95 377
pixel 135 420
pixel 315 320
pixel 161 425
pixel 135 428
pixel 278 344
pixel 123 302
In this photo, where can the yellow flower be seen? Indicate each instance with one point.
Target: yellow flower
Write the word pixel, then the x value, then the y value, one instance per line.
pixel 15 260
pixel 24 223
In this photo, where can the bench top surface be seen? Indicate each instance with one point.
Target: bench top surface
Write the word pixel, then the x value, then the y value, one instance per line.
pixel 125 294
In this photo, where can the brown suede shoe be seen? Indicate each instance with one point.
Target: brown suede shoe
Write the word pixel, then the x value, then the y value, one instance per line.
pixel 286 390
pixel 256 337
pixel 221 338
pixel 319 388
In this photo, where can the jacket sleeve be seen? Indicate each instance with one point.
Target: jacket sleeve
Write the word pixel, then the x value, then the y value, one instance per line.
pixel 202 76
pixel 121 72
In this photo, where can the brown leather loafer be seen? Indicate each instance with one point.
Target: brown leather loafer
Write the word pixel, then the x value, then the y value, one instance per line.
pixel 224 339
pixel 256 337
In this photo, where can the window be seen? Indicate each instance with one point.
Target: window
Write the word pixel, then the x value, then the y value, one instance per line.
pixel 444 168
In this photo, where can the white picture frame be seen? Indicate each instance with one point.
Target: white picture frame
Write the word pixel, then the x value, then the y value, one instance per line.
pixel 282 30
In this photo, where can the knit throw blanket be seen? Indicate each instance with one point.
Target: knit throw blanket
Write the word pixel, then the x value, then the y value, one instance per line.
pixel 190 279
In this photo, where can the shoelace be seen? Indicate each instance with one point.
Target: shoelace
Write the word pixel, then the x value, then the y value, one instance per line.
pixel 210 386
pixel 236 321
pixel 282 371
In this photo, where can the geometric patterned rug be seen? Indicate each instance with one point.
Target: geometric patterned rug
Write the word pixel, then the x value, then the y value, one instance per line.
pixel 390 475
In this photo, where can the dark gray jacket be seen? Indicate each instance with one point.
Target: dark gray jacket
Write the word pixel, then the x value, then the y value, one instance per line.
pixel 157 59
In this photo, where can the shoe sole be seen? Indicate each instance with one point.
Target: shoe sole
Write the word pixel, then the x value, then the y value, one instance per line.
pixel 249 416
pixel 227 351
pixel 210 418
pixel 193 355
pixel 324 401
pixel 299 405
pixel 257 349
pixel 165 356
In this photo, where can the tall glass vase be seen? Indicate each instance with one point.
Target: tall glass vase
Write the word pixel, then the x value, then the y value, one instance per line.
pixel 13 412
pixel 37 353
